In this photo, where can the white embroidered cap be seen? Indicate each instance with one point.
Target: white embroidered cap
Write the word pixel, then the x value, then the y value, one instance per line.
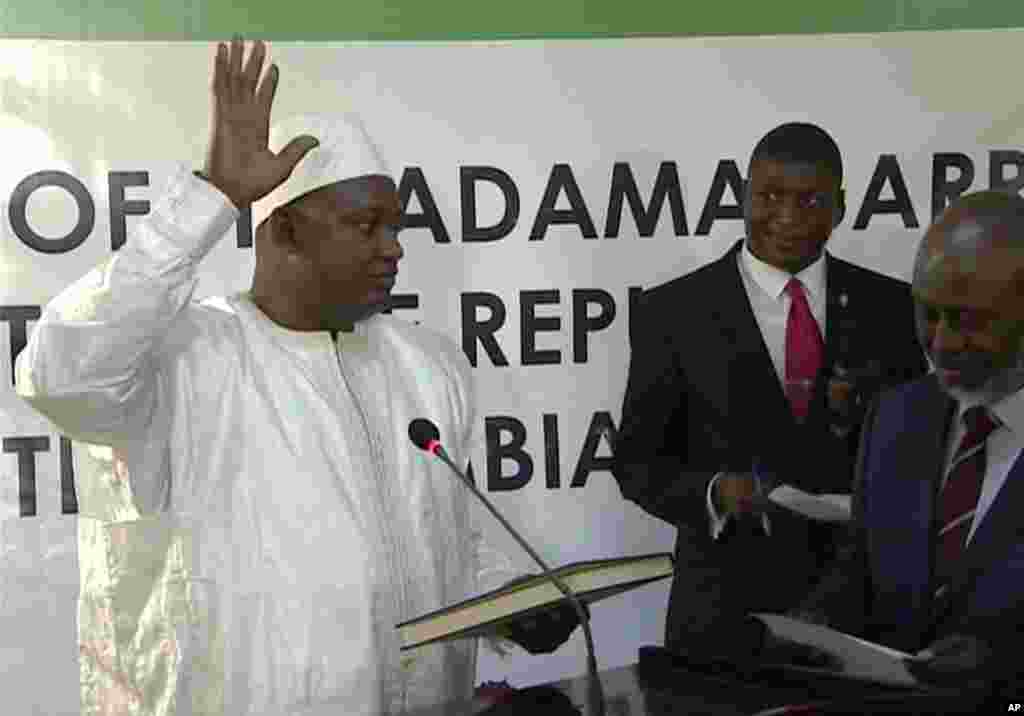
pixel 345 152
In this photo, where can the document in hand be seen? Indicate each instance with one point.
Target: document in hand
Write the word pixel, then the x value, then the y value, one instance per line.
pixel 824 508
pixel 483 615
pixel 862 660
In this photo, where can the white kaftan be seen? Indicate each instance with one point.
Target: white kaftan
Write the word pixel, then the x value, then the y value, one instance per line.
pixel 279 522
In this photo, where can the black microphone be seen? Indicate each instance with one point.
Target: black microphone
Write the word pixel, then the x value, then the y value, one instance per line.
pixel 424 435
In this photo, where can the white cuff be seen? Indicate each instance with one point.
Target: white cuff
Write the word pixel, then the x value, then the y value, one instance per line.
pixel 185 223
pixel 717 521
pixel 765 522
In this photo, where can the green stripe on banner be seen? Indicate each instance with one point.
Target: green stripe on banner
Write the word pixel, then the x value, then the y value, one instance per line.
pixel 422 20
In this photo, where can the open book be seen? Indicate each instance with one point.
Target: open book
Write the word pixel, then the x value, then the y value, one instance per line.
pixel 483 615
pixel 862 660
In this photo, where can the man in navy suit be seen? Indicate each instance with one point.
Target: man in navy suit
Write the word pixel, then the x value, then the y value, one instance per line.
pixel 750 371
pixel 937 563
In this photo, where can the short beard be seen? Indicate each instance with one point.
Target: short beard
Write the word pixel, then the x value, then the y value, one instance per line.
pixel 354 314
pixel 1004 383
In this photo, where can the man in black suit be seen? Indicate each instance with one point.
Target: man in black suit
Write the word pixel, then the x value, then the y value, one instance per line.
pixel 741 379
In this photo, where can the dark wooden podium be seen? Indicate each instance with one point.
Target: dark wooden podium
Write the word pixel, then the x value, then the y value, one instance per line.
pixel 632 691
pixel 627 694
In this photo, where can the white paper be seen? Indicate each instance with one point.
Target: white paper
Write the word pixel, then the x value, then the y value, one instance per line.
pixel 824 508
pixel 860 659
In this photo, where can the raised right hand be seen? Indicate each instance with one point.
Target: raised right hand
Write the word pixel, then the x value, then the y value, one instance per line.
pixel 238 160
pixel 734 494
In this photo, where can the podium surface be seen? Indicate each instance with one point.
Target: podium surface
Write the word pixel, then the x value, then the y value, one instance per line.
pixel 627 694
pixel 630 691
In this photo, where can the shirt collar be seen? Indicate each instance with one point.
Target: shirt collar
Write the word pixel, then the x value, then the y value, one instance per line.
pixel 773 280
pixel 304 341
pixel 1009 410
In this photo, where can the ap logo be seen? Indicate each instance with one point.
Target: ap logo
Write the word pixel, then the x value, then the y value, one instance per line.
pixel 1013 707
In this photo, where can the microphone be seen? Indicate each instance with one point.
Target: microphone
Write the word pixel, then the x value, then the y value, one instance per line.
pixel 424 435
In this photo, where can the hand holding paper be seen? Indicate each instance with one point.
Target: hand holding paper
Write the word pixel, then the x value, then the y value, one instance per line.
pixel 957 657
pixel 859 659
pixel 735 493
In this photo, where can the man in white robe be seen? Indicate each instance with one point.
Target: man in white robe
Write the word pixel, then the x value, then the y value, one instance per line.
pixel 280 522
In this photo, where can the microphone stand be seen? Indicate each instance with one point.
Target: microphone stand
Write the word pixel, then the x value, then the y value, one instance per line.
pixel 595 693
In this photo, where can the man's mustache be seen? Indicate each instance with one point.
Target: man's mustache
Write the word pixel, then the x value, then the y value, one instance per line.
pixel 962 361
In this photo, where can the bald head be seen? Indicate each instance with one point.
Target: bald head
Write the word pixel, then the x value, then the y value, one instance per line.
pixel 969 292
pixel 990 206
pixel 981 220
pixel 975 248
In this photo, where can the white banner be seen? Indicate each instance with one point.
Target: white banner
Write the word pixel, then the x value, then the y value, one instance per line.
pixel 529 170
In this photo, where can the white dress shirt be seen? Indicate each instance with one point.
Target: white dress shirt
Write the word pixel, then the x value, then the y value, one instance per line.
pixel 1002 449
pixel 766 289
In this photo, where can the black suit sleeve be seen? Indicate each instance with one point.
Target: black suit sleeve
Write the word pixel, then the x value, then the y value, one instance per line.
pixel 650 447
pixel 916 364
pixel 842 597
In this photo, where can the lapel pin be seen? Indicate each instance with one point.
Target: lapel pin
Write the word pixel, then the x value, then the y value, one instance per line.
pixel 843 300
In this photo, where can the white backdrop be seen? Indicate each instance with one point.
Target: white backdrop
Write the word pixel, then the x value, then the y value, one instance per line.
pixel 94 110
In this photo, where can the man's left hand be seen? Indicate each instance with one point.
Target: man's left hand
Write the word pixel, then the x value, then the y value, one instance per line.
pixel 956 658
pixel 543 632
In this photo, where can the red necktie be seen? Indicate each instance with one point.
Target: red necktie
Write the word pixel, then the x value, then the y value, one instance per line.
pixel 960 494
pixel 803 351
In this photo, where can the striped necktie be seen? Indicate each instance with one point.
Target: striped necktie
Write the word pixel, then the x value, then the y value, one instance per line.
pixel 960 494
